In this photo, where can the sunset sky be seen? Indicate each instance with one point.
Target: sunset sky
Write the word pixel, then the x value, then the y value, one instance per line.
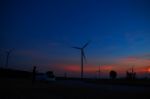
pixel 42 33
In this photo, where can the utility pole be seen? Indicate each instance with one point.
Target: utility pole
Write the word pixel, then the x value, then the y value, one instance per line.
pixel 132 70
pixel 99 72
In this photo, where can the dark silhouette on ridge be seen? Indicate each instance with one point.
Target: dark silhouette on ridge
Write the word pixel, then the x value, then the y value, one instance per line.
pixel 12 73
pixel 33 74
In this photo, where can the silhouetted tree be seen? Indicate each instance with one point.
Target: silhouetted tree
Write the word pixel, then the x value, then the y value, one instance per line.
pixel 113 74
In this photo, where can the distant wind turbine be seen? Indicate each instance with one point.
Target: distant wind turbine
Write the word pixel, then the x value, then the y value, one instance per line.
pixel 83 57
pixel 7 56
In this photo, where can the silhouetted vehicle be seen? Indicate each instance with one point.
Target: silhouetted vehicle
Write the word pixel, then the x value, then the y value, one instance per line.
pixel 48 76
pixel 113 74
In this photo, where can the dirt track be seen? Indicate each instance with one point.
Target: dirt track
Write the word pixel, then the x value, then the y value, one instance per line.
pixel 23 89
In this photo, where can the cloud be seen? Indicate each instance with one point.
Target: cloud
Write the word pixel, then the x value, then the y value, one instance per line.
pixel 71 67
pixel 135 61
pixel 143 69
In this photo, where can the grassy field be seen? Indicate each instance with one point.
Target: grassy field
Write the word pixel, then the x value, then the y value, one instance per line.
pixel 23 89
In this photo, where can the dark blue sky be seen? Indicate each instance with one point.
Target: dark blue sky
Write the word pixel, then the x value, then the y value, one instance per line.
pixel 42 31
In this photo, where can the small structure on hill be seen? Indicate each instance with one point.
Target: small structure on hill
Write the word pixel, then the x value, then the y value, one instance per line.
pixel 131 75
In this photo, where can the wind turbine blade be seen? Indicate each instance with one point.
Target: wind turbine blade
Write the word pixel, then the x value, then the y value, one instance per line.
pixel 76 47
pixel 86 44
pixel 84 57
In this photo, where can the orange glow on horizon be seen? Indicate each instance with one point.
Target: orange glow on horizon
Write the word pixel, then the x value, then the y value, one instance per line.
pixel 87 68
pixel 72 68
pixel 148 70
pixel 133 61
pixel 105 69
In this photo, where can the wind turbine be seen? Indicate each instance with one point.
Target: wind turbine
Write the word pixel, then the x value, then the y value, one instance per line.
pixel 83 57
pixel 7 56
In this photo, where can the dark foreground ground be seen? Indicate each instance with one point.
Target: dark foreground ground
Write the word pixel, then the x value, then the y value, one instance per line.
pixel 23 89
